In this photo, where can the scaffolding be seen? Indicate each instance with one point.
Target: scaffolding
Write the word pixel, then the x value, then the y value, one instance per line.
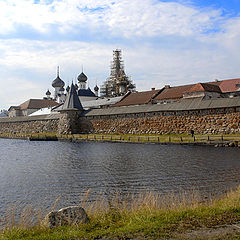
pixel 118 83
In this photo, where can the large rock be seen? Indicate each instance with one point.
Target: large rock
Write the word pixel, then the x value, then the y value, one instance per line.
pixel 73 215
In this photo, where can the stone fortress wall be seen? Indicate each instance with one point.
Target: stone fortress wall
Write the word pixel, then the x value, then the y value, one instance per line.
pixel 214 123
pixel 208 117
pixel 36 124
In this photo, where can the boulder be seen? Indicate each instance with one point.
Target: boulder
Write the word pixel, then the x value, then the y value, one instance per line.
pixel 73 215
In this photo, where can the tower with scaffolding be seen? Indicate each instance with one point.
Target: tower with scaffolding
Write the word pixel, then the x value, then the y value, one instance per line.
pixel 118 83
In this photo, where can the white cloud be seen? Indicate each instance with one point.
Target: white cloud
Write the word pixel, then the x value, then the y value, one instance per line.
pixel 124 18
pixel 175 51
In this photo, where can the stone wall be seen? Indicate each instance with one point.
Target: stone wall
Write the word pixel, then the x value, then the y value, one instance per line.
pixel 38 124
pixel 168 124
pixel 211 121
pixel 71 122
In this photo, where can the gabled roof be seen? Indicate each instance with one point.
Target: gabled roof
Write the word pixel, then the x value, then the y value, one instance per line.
pixel 86 93
pixel 173 92
pixel 72 101
pixel 37 104
pixel 204 87
pixel 137 98
pixel 229 85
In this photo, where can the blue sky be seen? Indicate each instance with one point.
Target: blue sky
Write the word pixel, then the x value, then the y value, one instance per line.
pixel 163 42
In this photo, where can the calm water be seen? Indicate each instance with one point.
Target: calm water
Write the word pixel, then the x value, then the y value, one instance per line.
pixel 39 172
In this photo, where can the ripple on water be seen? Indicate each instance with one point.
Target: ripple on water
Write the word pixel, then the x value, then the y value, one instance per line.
pixel 40 172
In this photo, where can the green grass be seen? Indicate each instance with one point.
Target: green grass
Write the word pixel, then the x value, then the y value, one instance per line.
pixel 141 138
pixel 148 216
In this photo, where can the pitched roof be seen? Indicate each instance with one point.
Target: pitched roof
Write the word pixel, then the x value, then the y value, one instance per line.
pixel 137 98
pixel 72 101
pixel 37 104
pixel 230 85
pixel 204 87
pixel 173 92
pixel 86 93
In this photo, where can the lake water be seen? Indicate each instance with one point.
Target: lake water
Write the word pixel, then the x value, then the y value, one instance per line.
pixel 37 173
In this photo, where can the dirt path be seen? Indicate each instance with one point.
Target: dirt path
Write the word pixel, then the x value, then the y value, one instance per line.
pixel 222 232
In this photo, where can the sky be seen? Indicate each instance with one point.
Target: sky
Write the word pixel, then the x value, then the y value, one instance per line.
pixel 163 42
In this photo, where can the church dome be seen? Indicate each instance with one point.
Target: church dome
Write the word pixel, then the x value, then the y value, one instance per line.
pixel 48 93
pixel 58 82
pixel 82 77
pixel 61 89
pixel 96 88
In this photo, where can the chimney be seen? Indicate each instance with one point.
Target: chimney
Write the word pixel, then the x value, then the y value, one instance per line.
pixel 167 86
pixel 153 88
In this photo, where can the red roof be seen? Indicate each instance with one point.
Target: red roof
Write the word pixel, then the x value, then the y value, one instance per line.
pixel 229 85
pixel 37 104
pixel 137 98
pixel 204 87
pixel 173 92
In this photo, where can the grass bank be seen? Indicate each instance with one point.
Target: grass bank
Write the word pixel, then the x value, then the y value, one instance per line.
pixel 146 216
pixel 197 139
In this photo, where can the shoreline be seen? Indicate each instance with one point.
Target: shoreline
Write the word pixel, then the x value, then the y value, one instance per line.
pixel 197 140
pixel 147 217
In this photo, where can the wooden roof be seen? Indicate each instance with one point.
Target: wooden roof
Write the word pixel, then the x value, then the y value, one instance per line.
pixel 137 98
pixel 37 104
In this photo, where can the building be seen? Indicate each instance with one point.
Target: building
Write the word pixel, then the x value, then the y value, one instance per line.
pixel 30 106
pixel 118 83
pixel 58 85
pixel 211 90
pixel 60 94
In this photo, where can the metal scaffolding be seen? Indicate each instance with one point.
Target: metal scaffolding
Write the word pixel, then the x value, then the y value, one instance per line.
pixel 118 83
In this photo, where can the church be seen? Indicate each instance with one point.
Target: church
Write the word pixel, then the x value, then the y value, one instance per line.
pixel 60 93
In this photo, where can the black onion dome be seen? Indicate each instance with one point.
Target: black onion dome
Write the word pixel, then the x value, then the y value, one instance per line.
pixel 82 77
pixel 48 93
pixel 67 88
pixel 131 86
pixel 61 89
pixel 96 88
pixel 58 82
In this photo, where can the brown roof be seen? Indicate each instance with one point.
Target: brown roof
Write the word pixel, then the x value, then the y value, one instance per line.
pixel 204 87
pixel 37 104
pixel 229 85
pixel 173 92
pixel 137 98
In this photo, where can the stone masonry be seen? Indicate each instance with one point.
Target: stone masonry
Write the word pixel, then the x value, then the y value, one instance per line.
pixel 206 124
pixel 214 122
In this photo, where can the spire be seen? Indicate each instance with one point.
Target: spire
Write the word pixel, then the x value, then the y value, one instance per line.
pixel 57 71
pixel 72 101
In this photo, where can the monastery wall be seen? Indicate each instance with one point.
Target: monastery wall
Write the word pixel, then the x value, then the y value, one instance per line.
pixel 136 121
pixel 214 123
pixel 36 124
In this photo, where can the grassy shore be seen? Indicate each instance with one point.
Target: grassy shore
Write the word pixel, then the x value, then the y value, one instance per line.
pixel 146 216
pixel 135 138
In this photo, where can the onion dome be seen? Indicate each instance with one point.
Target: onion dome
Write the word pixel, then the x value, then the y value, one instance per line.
pixel 76 86
pixel 131 86
pixel 82 77
pixel 58 82
pixel 61 89
pixel 67 88
pixel 96 88
pixel 48 93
